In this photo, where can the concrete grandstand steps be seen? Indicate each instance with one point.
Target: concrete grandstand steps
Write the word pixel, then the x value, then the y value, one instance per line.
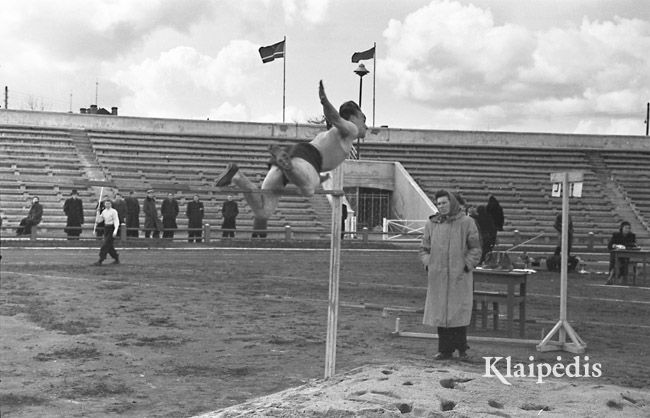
pixel 18 159
pixel 630 171
pixel 86 154
pixel 419 148
pixel 616 193
pixel 148 158
pixel 176 153
pixel 187 144
pixel 520 179
pixel 531 166
pixel 128 136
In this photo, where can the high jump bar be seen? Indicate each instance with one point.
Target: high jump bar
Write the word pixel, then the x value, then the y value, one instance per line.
pixel 398 333
pixel 284 192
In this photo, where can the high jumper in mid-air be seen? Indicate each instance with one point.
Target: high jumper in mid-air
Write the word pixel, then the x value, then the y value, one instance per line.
pixel 300 164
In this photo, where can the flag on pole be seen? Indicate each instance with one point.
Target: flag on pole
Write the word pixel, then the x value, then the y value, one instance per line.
pixel 365 55
pixel 271 52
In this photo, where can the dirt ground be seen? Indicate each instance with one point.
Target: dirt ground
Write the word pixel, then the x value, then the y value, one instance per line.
pixel 180 332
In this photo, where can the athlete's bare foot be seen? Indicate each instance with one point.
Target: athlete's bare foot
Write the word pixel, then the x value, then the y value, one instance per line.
pixel 226 177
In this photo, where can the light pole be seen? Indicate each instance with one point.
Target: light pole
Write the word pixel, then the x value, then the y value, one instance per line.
pixel 360 71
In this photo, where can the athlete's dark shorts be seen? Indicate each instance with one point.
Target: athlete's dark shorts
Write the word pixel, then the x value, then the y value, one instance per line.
pixel 307 152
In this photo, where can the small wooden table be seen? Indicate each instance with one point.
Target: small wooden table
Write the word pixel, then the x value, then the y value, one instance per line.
pixel 510 279
pixel 636 255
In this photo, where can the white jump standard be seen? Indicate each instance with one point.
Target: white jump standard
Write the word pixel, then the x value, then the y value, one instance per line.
pixel 303 163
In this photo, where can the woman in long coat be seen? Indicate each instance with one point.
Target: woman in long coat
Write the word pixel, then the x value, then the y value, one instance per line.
pixel 151 220
pixel 495 210
pixel 487 231
pixel 450 250
pixel 132 215
pixel 74 210
pixel 195 212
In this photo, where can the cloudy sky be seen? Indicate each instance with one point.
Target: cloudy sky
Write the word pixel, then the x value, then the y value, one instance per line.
pixel 573 66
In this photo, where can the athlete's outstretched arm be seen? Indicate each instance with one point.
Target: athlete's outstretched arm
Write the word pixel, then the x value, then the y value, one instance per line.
pixel 331 114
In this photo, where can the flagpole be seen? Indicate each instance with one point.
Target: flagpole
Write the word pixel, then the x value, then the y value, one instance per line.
pixel 374 75
pixel 284 79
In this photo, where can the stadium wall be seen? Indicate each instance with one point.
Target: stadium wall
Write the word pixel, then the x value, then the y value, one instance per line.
pixel 408 200
pixel 298 131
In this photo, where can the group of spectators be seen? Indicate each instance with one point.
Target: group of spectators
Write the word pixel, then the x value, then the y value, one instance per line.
pixel 128 212
pixel 489 221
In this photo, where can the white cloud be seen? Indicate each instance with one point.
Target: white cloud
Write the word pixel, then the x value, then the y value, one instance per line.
pixel 606 126
pixel 77 30
pixel 447 55
pixel 182 82
pixel 311 11
pixel 291 114
pixel 230 112
pixel 453 54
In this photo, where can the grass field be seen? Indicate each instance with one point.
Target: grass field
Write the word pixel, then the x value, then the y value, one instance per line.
pixel 176 332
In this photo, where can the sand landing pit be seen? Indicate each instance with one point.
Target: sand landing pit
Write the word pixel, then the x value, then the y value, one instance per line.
pixel 442 390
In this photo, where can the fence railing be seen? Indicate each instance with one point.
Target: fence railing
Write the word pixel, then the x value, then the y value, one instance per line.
pixel 394 230
pixel 208 233
pixel 403 229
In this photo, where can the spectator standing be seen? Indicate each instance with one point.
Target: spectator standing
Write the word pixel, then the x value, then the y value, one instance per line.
pixel 132 215
pixel 461 202
pixel 229 210
pixel 558 227
pixel 195 213
pixel 169 211
pixel 119 204
pixel 495 210
pixel 111 222
pixel 152 225
pixel 74 211
pixel 33 218
pixel 487 230
pixel 472 212
pixel 622 239
pixel 450 250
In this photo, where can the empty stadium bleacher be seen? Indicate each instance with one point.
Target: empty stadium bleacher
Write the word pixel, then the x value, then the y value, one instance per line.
pixel 46 162
pixel 518 178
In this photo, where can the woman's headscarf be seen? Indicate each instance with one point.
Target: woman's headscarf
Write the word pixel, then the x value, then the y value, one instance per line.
pixel 454 206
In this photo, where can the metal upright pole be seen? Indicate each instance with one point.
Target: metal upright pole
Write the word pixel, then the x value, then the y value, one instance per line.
pixel 284 79
pixel 374 75
pixel 335 268
pixel 565 255
pixel 360 89
pixel 647 118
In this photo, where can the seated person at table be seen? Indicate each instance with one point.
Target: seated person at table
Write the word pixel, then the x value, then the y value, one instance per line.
pixel 622 239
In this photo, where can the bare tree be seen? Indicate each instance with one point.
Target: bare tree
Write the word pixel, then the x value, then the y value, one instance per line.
pixel 35 103
pixel 316 120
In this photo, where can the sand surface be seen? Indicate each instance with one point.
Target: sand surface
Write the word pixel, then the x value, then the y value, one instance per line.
pixel 444 390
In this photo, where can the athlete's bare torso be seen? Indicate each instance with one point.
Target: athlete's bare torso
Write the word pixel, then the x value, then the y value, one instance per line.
pixel 333 148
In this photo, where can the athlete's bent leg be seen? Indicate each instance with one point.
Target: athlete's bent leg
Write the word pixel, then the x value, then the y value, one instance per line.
pixel 272 187
pixel 304 176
